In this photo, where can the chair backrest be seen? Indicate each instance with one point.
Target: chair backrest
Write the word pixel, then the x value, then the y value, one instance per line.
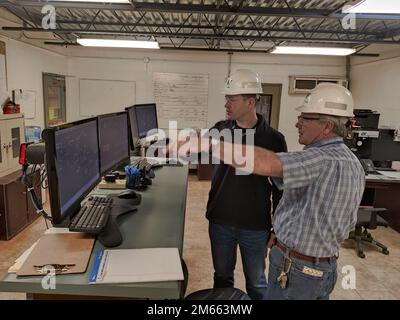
pixel 185 280
pixel 218 294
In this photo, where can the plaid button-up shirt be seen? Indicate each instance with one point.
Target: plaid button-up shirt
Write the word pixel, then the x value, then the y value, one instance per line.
pixel 323 186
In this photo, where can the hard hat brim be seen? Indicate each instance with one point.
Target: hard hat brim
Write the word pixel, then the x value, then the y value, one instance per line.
pixel 306 109
pixel 233 92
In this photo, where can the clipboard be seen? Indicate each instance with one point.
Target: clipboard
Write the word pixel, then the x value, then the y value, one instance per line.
pixel 67 252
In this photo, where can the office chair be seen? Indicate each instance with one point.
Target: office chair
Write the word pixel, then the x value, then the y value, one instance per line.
pixel 218 294
pixel 185 279
pixel 368 218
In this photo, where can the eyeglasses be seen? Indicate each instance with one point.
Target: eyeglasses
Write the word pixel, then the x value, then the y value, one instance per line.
pixel 303 119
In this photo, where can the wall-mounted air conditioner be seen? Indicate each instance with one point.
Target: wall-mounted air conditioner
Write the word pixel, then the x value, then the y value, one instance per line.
pixel 303 84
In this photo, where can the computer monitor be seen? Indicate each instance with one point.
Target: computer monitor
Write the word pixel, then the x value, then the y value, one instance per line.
pixel 72 160
pixel 146 118
pixel 113 141
pixel 385 150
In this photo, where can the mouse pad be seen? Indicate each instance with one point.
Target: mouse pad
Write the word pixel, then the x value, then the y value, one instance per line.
pixel 117 211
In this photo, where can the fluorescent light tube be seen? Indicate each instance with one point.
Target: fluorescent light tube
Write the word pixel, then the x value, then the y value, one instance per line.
pixel 119 43
pixel 325 51
pixel 376 6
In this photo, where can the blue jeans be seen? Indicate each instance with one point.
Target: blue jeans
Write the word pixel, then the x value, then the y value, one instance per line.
pixel 301 285
pixel 253 249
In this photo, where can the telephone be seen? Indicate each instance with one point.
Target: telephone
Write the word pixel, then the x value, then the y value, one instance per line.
pixel 368 165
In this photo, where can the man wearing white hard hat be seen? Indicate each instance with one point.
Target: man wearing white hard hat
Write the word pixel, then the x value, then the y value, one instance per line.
pixel 239 206
pixel 323 186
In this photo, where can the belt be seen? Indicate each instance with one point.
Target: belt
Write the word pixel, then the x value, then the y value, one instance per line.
pixel 298 255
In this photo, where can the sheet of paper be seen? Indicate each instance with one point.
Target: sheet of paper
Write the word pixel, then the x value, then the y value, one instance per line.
pixel 27 101
pixel 391 174
pixel 140 265
pixel 21 259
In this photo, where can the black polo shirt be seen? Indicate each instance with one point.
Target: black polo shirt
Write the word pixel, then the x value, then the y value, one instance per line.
pixel 244 201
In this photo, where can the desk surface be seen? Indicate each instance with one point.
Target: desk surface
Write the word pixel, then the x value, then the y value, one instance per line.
pixel 159 222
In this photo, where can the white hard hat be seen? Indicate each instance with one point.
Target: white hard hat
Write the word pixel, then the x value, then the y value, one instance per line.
pixel 329 98
pixel 243 81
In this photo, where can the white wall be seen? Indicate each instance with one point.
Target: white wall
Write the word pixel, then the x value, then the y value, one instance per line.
pixel 376 85
pixel 129 65
pixel 25 65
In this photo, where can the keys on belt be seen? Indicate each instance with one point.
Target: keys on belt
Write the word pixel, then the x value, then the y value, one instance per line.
pixel 286 264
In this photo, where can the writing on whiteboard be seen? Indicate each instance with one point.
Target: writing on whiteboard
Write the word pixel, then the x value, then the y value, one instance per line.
pixel 182 97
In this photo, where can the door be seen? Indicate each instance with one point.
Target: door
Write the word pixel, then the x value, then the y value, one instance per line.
pixel 16 207
pixel 11 136
pixel 54 99
pixel 17 135
pixel 270 103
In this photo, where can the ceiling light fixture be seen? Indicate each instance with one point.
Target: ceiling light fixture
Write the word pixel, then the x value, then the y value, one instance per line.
pixel 119 43
pixel 325 51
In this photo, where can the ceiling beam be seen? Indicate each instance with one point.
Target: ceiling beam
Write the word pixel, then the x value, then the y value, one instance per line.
pixel 200 8
pixel 190 26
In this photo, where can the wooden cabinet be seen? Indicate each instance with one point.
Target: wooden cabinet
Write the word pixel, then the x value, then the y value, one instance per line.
pixel 205 171
pixel 16 209
pixel 12 134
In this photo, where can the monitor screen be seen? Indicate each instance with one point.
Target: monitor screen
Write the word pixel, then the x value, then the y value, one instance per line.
pixel 385 150
pixel 72 158
pixel 146 118
pixel 113 141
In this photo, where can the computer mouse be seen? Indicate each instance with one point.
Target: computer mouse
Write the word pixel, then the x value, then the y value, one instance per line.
pixel 128 194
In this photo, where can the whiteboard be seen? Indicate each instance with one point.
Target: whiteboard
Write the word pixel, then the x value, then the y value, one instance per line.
pixel 182 97
pixel 27 101
pixel 97 96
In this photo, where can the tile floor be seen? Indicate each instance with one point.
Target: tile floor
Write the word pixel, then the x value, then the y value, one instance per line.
pixel 377 276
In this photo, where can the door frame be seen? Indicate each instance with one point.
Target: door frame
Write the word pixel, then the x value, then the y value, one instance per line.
pixel 274 89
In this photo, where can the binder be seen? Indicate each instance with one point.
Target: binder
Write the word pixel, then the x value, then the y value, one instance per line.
pixel 71 251
pixel 137 265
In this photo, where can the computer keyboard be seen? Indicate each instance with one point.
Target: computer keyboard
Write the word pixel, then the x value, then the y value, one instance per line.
pixel 93 215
